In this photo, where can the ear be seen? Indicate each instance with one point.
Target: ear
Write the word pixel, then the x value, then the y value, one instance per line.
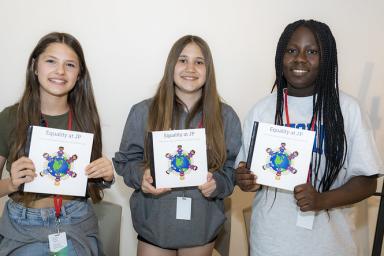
pixel 33 67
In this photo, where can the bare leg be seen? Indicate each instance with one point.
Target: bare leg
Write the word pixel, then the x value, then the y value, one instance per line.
pixel 145 249
pixel 204 250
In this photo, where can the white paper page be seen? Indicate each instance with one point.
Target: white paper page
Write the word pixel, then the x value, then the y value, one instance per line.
pixel 60 158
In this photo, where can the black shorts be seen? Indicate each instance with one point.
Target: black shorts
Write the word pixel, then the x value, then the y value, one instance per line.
pixel 142 239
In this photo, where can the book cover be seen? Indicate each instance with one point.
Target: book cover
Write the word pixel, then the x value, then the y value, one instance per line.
pixel 280 156
pixel 178 158
pixel 60 158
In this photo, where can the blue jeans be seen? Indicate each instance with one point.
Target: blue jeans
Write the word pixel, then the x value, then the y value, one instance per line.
pixel 25 218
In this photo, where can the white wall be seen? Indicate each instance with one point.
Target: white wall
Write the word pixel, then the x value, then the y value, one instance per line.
pixel 126 44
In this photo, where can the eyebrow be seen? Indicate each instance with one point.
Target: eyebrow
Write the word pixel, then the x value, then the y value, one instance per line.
pixel 53 57
pixel 296 45
pixel 185 56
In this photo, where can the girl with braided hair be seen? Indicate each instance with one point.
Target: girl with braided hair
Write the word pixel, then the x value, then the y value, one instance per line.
pixel 345 161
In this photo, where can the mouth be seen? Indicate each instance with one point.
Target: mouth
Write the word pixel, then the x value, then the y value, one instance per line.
pixel 57 81
pixel 299 72
pixel 189 78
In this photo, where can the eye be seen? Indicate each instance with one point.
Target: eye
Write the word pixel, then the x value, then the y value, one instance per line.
pixel 312 51
pixel 183 60
pixel 291 51
pixel 200 62
pixel 50 61
pixel 71 65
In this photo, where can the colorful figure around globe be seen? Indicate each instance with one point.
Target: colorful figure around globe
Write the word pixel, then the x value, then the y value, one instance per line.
pixel 280 161
pixel 181 162
pixel 59 166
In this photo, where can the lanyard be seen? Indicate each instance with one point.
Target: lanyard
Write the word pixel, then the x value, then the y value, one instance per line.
pixel 200 125
pixel 58 199
pixel 313 121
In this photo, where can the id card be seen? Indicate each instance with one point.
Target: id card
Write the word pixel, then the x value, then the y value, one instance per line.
pixel 305 219
pixel 58 244
pixel 183 208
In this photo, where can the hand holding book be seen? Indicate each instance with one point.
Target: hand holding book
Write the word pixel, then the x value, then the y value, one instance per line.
pixel 148 188
pixel 307 197
pixel 246 179
pixel 22 171
pixel 100 168
pixel 209 187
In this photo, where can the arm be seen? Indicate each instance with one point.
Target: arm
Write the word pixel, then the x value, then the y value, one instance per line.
pixel 356 189
pixel 5 184
pixel 22 171
pixel 128 161
pixel 223 179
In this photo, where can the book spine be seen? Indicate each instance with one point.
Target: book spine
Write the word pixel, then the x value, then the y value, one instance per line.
pixel 252 145
pixel 26 149
pixel 151 158
pixel 28 141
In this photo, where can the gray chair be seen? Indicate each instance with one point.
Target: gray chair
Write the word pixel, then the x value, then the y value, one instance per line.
pixel 223 239
pixel 109 217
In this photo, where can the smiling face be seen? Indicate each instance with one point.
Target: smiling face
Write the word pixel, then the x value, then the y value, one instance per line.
pixel 301 62
pixel 190 72
pixel 57 70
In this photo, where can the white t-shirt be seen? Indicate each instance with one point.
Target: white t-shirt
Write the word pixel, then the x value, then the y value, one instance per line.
pixel 274 212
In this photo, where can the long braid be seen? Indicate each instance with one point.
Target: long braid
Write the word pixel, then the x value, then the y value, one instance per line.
pixel 326 104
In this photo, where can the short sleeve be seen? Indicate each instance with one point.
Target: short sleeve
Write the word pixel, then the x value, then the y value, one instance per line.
pixel 6 122
pixel 363 158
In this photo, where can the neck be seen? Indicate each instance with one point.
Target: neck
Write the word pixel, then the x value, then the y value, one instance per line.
pixel 189 99
pixel 54 106
pixel 300 92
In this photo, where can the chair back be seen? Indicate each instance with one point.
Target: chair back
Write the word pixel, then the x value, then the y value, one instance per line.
pixel 109 218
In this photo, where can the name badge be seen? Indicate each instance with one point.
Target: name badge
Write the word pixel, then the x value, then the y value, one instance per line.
pixel 305 219
pixel 58 244
pixel 183 208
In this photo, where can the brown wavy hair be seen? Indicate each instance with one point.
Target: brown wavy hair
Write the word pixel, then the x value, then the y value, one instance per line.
pixel 166 107
pixel 80 100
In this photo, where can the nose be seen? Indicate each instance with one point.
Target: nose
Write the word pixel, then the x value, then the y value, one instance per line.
pixel 60 68
pixel 190 66
pixel 301 57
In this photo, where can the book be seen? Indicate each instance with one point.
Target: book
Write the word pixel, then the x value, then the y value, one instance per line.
pixel 178 158
pixel 280 156
pixel 60 158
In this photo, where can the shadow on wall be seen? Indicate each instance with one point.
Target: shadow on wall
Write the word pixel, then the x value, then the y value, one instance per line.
pixel 368 209
pixel 374 106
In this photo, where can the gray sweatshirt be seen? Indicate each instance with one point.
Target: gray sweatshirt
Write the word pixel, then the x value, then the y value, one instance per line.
pixel 154 217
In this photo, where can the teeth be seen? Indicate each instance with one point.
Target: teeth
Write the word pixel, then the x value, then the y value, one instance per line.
pixel 189 78
pixel 58 81
pixel 300 71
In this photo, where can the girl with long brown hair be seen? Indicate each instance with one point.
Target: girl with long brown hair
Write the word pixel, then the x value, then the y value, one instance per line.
pixel 186 98
pixel 58 94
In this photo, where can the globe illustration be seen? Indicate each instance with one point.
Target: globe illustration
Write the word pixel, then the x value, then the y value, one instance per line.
pixel 58 166
pixel 180 163
pixel 280 161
